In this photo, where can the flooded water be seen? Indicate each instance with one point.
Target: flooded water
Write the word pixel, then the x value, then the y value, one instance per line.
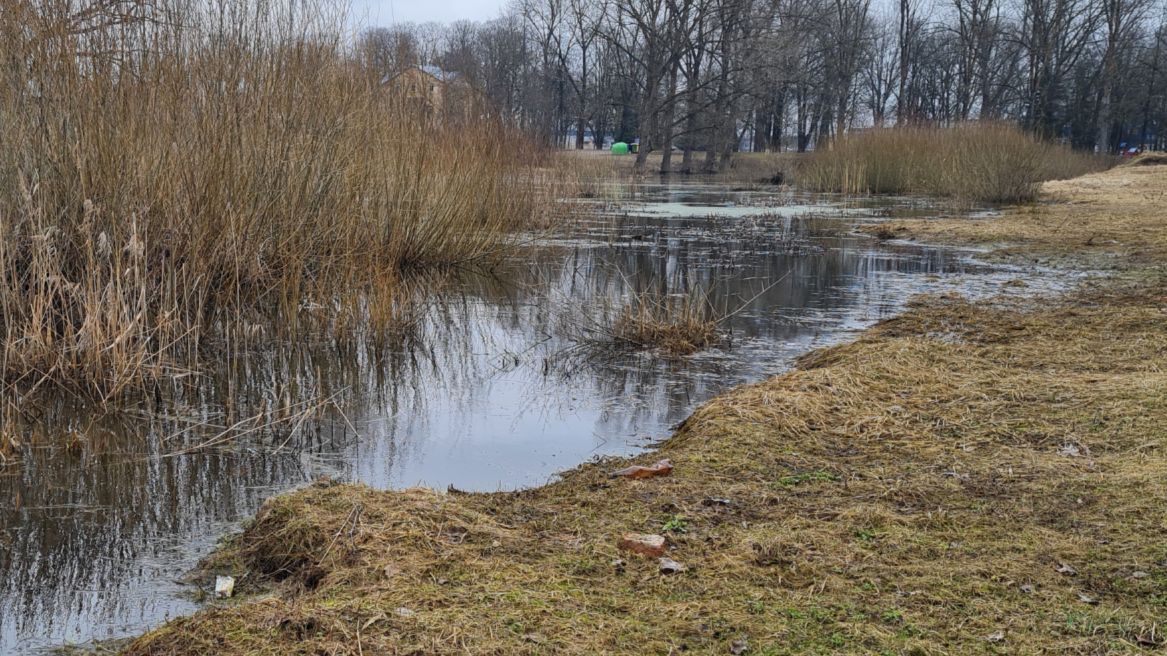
pixel 101 519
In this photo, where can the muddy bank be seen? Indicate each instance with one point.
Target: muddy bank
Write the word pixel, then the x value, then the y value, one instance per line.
pixel 965 478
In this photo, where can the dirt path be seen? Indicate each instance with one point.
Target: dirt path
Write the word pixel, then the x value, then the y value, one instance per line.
pixel 965 478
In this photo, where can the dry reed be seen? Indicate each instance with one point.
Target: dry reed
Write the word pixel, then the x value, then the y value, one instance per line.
pixel 653 320
pixel 173 170
pixel 678 325
pixel 974 162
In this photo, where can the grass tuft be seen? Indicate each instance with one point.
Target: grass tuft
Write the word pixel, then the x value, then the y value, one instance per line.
pixel 676 325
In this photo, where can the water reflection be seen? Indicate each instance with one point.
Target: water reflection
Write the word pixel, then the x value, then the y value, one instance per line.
pixel 98 527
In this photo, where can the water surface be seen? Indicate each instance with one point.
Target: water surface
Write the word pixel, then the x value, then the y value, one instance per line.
pixel 106 512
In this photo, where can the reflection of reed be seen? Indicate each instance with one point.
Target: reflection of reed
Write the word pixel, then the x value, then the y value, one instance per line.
pixel 86 524
pixel 381 354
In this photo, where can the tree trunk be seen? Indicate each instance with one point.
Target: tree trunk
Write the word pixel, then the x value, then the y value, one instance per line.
pixel 691 123
pixel 579 133
pixel 1102 143
pixel 666 158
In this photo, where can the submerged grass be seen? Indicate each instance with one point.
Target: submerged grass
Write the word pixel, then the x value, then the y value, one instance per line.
pixel 965 478
pixel 673 324
pixel 173 173
pixel 975 162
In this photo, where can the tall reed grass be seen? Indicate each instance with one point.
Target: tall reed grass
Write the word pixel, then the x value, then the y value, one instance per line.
pixel 175 172
pixel 974 162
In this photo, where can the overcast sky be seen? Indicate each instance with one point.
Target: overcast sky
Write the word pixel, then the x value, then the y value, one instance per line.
pixel 385 12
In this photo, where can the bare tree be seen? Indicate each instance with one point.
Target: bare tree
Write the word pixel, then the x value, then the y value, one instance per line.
pixel 1119 19
pixel 1055 34
pixel 880 73
pixel 700 74
pixel 907 44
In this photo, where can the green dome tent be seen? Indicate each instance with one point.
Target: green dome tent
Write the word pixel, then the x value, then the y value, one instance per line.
pixel 619 148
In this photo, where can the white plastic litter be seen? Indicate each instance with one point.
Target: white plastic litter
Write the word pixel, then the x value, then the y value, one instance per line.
pixel 224 586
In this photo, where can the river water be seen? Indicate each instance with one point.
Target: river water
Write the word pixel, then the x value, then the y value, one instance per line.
pixel 496 389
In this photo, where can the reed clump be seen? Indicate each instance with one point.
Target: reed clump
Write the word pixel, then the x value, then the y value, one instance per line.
pixel 979 162
pixel 172 170
pixel 654 320
pixel 678 326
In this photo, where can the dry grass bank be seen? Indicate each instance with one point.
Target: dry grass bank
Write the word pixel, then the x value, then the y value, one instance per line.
pixel 976 162
pixel 173 174
pixel 1113 219
pixel 965 478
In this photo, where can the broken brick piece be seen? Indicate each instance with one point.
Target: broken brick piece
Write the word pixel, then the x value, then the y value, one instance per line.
pixel 652 546
pixel 662 468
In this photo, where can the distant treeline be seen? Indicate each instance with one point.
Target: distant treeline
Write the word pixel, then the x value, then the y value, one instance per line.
pixel 719 75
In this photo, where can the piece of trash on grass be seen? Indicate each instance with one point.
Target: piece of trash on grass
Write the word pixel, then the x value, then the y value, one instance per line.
pixel 1063 568
pixel 670 566
pixel 224 586
pixel 715 501
pixel 1087 599
pixel 996 636
pixel 661 468
pixel 1073 450
pixel 645 545
pixel 1027 588
pixel 739 646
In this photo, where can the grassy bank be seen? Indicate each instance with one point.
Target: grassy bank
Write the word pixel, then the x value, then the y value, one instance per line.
pixel 976 162
pixel 172 176
pixel 1106 221
pixel 589 170
pixel 965 478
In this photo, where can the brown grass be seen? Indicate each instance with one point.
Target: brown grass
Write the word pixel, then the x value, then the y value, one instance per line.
pixel 976 162
pixel 965 478
pixel 1112 219
pixel 670 324
pixel 168 174
pixel 1148 159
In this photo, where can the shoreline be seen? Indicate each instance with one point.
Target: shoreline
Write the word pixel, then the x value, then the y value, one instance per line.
pixel 945 481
